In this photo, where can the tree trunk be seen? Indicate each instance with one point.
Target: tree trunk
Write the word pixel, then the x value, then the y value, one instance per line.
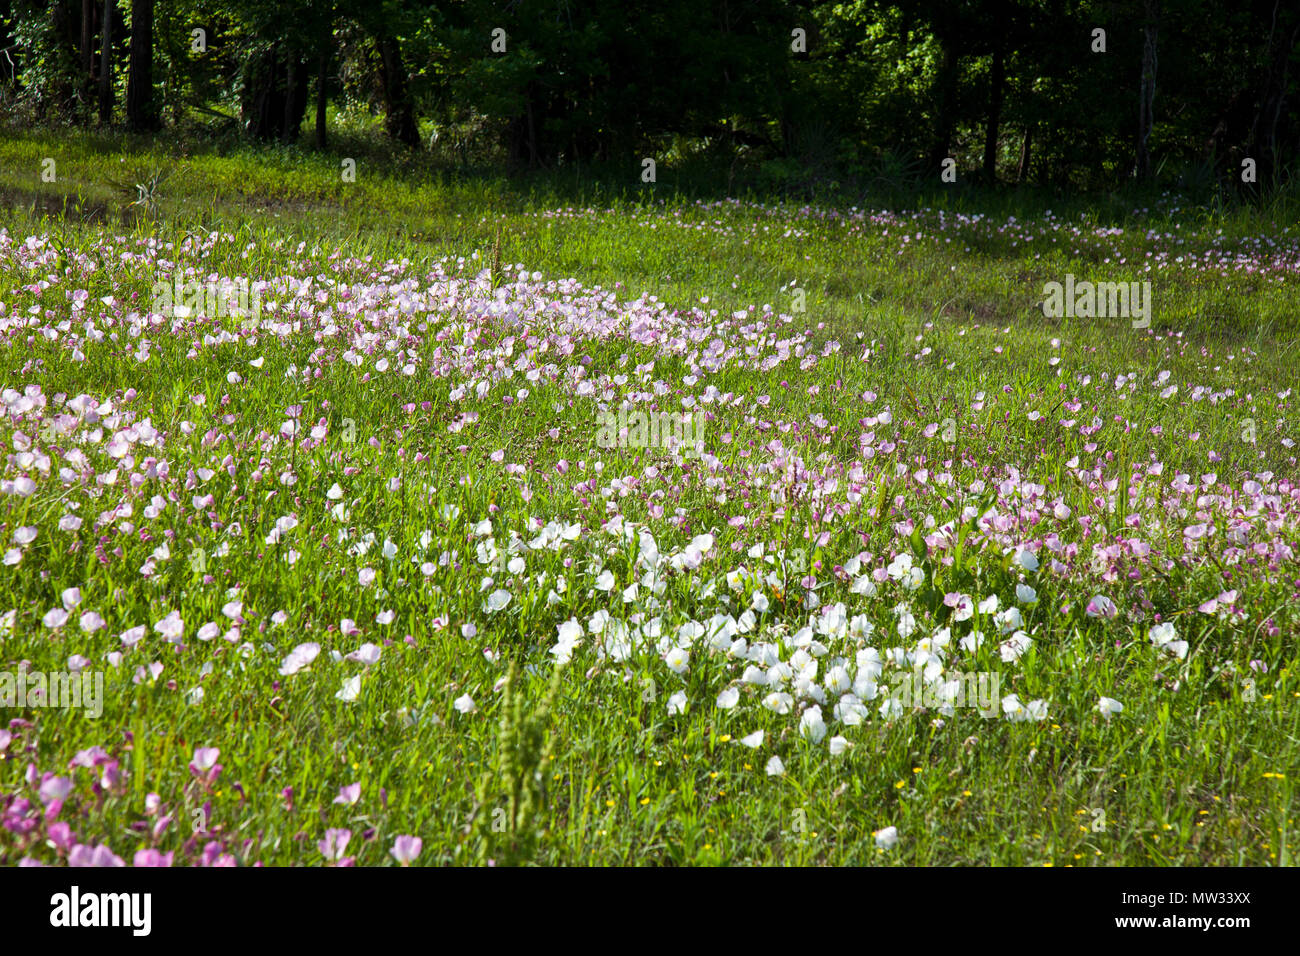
pixel 88 39
pixel 946 95
pixel 532 135
pixel 106 67
pixel 399 118
pixel 141 111
pixel 322 75
pixel 1026 146
pixel 274 99
pixel 1146 103
pixel 1272 100
pixel 289 128
pixel 996 81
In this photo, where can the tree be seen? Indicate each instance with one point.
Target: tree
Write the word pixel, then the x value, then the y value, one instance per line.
pixel 141 108
pixel 1146 102
pixel 106 66
pixel 1270 118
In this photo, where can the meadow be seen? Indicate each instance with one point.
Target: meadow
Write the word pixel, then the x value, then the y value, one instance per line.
pixel 931 578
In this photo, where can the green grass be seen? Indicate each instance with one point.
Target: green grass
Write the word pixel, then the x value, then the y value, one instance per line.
pixel 1191 772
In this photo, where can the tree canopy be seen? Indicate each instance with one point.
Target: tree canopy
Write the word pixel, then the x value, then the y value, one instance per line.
pixel 1071 92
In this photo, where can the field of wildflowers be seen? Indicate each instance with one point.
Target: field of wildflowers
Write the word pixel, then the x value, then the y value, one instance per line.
pixel 934 578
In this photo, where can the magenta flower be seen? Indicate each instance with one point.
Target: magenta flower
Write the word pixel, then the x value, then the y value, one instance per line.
pixel 349 795
pixel 406 849
pixel 335 844
pixel 299 657
pixel 152 858
pixel 205 766
pixel 1100 606
pixel 171 627
pixel 55 788
pixel 61 835
pixel 367 654
pixel 161 826
pixel 20 817
pixel 205 758
pixel 91 757
pixel 212 856
pixel 99 856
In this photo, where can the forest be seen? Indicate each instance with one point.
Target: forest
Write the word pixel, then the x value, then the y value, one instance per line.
pixel 794 96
